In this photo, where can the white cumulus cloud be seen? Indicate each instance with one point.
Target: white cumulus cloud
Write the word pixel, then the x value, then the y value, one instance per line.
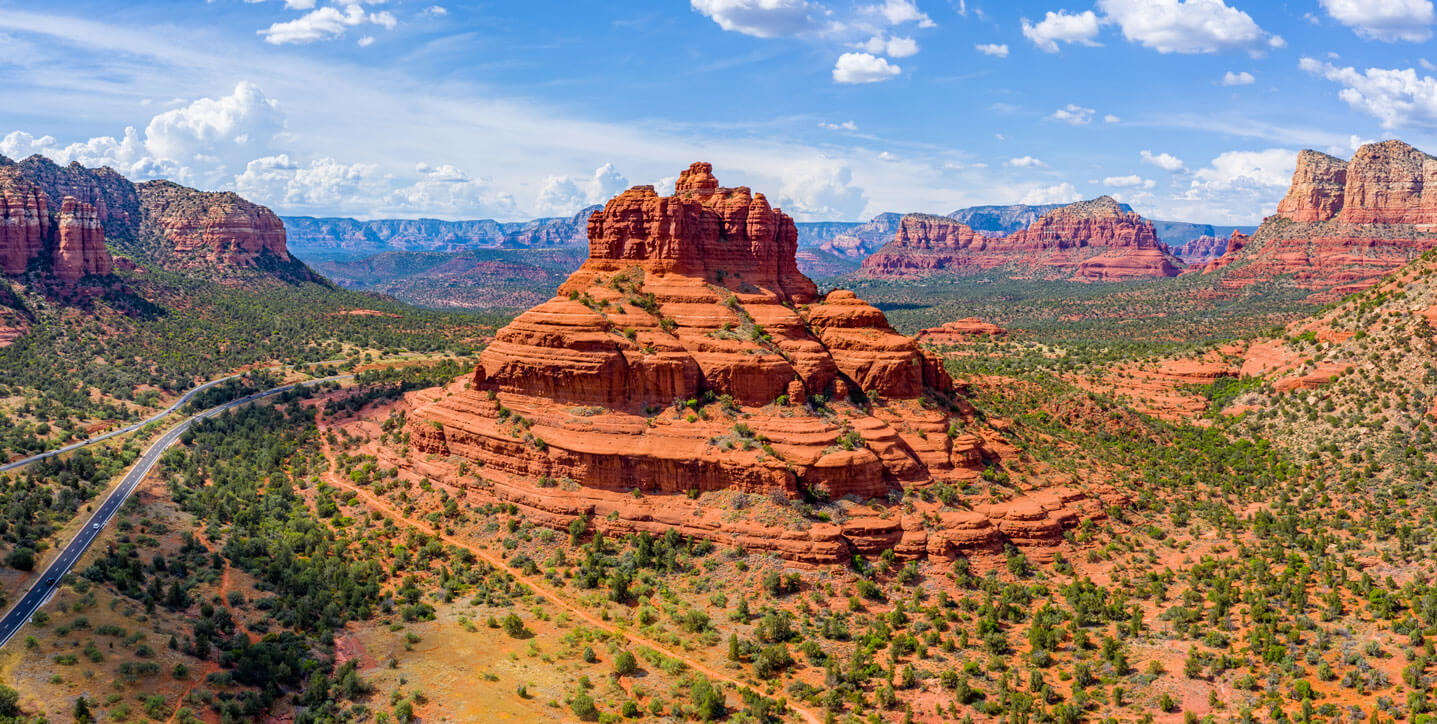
pixel 1061 26
pixel 1400 98
pixel 1386 20
pixel 564 195
pixel 1164 161
pixel 1025 162
pixel 997 50
pixel 893 47
pixel 1239 78
pixel 231 128
pixel 323 24
pixel 203 142
pixel 1187 26
pixel 820 189
pixel 1132 181
pixel 322 183
pixel 1063 193
pixel 898 12
pixel 760 18
pixel 1074 114
pixel 863 68
pixel 1240 184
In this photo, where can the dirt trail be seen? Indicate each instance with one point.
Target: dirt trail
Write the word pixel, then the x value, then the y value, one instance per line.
pixel 376 503
pixel 210 667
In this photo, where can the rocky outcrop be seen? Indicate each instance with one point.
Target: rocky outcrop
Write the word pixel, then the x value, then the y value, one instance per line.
pixel 1390 183
pixel 961 331
pixel 1129 247
pixel 858 240
pixel 62 242
pixel 113 197
pixel 1318 188
pixel 926 244
pixel 80 250
pixel 24 222
pixel 1201 250
pixel 202 228
pixel 1343 225
pixel 1098 240
pixel 57 220
pixel 689 355
pixel 1235 244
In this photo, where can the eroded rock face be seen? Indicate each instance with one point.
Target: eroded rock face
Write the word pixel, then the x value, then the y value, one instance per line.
pixel 1318 188
pixel 62 242
pixel 1201 250
pixel 702 231
pixel 80 250
pixel 212 227
pixel 1235 244
pixel 117 206
pixel 926 244
pixel 1344 225
pixel 1094 240
pixel 689 354
pixel 1390 183
pixel 24 223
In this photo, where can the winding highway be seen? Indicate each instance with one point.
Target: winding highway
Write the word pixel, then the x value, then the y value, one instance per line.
pixel 49 579
pixel 120 431
pixel 184 400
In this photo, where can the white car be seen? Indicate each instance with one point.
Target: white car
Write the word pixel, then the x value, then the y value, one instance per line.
pixel 95 526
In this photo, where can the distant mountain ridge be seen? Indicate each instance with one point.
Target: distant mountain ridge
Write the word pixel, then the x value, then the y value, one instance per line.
pixel 340 237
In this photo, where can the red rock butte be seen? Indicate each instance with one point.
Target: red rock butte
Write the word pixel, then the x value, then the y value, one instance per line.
pixel 1097 240
pixel 1343 224
pixel 69 246
pixel 688 358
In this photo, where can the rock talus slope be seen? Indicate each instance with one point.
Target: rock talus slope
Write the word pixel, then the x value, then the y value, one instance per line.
pixel 687 362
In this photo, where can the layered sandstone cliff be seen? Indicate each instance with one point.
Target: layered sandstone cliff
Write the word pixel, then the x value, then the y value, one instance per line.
pixel 62 242
pixel 1201 250
pixel 212 227
pixel 80 247
pixel 24 224
pixel 59 218
pixel 117 206
pixel 1097 240
pixel 1344 225
pixel 688 355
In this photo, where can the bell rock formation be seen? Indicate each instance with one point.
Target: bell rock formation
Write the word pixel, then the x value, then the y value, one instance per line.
pixel 688 356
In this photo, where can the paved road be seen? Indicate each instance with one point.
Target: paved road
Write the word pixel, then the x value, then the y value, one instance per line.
pixel 47 581
pixel 157 416
pixel 121 431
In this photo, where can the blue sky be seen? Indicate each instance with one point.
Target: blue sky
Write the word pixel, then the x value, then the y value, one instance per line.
pixel 1188 109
